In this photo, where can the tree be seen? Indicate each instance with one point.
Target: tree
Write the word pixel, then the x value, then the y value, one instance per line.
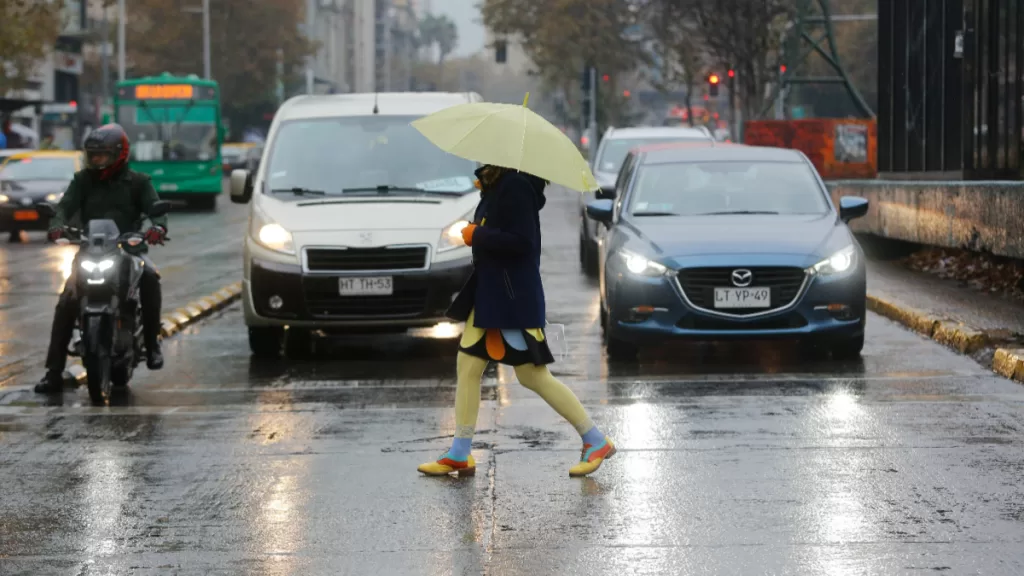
pixel 561 37
pixel 247 39
pixel 439 30
pixel 676 37
pixel 27 29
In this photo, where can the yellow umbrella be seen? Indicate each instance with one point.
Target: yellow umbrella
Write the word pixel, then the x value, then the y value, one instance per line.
pixel 511 136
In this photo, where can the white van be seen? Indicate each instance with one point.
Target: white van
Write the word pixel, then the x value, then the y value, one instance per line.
pixel 355 220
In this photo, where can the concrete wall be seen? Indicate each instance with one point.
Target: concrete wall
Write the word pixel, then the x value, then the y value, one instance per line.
pixel 979 216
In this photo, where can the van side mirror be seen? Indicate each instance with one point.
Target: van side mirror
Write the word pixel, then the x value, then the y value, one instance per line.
pixel 159 208
pixel 851 207
pixel 241 186
pixel 606 193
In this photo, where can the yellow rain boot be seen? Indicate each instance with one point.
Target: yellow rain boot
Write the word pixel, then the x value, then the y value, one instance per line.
pixel 592 457
pixel 445 466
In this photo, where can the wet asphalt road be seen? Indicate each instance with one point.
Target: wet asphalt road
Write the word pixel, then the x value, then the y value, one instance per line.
pixel 736 459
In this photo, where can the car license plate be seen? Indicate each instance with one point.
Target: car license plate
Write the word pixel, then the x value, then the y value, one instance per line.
pixel 374 286
pixel 23 215
pixel 168 187
pixel 743 297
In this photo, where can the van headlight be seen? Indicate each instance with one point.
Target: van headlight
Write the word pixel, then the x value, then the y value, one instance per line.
pixel 842 261
pixel 637 264
pixel 451 236
pixel 270 234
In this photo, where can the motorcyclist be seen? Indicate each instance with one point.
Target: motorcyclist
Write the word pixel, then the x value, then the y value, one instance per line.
pixel 106 189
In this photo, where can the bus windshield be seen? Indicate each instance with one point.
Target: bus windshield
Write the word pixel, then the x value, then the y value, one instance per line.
pixel 162 132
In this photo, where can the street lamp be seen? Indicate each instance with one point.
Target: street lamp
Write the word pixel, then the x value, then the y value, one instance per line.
pixel 205 11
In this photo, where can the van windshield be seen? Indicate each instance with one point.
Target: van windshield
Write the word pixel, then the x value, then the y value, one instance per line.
pixel 334 155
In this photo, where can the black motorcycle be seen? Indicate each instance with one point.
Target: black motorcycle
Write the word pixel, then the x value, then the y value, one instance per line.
pixel 110 315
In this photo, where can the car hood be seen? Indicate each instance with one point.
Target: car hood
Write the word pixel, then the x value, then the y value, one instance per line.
pixel 680 237
pixel 33 186
pixel 368 213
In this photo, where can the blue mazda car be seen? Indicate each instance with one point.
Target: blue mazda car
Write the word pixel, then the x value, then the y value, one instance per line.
pixel 727 242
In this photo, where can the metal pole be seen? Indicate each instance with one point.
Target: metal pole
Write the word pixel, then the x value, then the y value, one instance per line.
pixel 206 40
pixel 120 40
pixel 593 114
pixel 310 24
pixel 105 32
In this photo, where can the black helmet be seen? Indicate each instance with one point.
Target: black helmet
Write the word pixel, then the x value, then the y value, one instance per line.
pixel 106 150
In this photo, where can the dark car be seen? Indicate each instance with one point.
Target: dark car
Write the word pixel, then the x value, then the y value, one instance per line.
pixel 29 178
pixel 728 242
pixel 238 156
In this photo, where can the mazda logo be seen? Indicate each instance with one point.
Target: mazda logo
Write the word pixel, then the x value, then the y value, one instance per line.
pixel 742 278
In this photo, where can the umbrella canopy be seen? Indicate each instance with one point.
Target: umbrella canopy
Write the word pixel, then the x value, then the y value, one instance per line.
pixel 511 136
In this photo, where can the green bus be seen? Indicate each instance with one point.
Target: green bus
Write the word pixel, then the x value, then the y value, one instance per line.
pixel 175 128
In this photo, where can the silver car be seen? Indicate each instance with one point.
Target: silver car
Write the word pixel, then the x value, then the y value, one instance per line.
pixel 612 151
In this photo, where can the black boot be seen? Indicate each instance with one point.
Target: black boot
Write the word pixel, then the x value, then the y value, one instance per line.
pixel 52 383
pixel 154 357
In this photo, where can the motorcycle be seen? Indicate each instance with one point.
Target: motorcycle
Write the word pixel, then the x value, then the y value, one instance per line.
pixel 109 274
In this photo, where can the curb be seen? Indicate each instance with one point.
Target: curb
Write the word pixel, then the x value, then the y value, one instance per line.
pixel 1008 362
pixel 181 318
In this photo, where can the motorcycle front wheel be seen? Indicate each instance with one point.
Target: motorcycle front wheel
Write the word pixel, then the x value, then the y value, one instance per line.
pixel 97 362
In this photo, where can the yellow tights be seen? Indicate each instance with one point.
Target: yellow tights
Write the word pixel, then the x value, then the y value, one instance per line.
pixel 470 371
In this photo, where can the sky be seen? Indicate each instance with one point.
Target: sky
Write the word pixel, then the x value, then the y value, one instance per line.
pixel 466 16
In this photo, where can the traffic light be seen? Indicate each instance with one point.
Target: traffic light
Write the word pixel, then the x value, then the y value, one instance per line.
pixel 713 81
pixel 626 93
pixel 606 78
pixel 732 73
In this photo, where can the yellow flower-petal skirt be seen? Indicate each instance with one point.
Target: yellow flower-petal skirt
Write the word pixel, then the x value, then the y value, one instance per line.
pixel 511 346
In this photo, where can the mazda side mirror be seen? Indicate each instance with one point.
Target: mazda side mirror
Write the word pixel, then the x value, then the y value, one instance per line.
pixel 241 186
pixel 606 193
pixel 851 207
pixel 601 210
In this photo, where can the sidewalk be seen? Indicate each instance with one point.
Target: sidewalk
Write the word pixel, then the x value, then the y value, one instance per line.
pixel 988 327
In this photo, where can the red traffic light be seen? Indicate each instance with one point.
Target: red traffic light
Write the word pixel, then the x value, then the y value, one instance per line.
pixel 732 73
pixel 782 69
pixel 606 77
pixel 713 79
pixel 626 93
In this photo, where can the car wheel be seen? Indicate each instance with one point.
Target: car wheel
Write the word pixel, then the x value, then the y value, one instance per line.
pixel 298 342
pixel 848 349
pixel 208 202
pixel 620 351
pixel 265 341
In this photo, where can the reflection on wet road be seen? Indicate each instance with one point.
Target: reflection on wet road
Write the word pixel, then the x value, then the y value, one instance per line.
pixel 733 459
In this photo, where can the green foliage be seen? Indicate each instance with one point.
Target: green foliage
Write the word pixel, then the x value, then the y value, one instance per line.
pixel 27 29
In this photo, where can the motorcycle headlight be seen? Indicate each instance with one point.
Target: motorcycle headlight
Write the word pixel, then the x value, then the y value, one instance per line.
pixel 270 234
pixel 638 264
pixel 102 265
pixel 837 263
pixel 451 236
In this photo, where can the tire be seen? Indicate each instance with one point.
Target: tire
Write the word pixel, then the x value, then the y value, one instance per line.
pixel 120 376
pixel 97 361
pixel 298 342
pixel 620 351
pixel 588 254
pixel 208 202
pixel 848 349
pixel 265 341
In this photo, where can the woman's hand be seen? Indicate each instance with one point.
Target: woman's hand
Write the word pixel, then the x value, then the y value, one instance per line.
pixel 467 234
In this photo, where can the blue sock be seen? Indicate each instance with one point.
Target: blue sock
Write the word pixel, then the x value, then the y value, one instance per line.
pixel 594 437
pixel 460 448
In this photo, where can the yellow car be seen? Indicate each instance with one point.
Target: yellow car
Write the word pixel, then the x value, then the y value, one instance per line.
pixel 28 178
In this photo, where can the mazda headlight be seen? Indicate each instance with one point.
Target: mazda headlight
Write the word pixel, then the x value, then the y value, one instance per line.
pixel 270 234
pixel 842 261
pixel 451 236
pixel 637 264
pixel 92 266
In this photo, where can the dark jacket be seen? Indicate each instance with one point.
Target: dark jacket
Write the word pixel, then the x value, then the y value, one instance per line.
pixel 505 287
pixel 122 199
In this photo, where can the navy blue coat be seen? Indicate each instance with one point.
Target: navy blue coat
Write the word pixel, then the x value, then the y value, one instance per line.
pixel 505 287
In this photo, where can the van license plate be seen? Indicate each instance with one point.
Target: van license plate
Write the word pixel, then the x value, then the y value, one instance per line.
pixel 743 297
pixel 373 286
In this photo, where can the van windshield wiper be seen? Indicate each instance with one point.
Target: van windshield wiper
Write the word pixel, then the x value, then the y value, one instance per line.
pixel 728 212
pixel 299 191
pixel 386 189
